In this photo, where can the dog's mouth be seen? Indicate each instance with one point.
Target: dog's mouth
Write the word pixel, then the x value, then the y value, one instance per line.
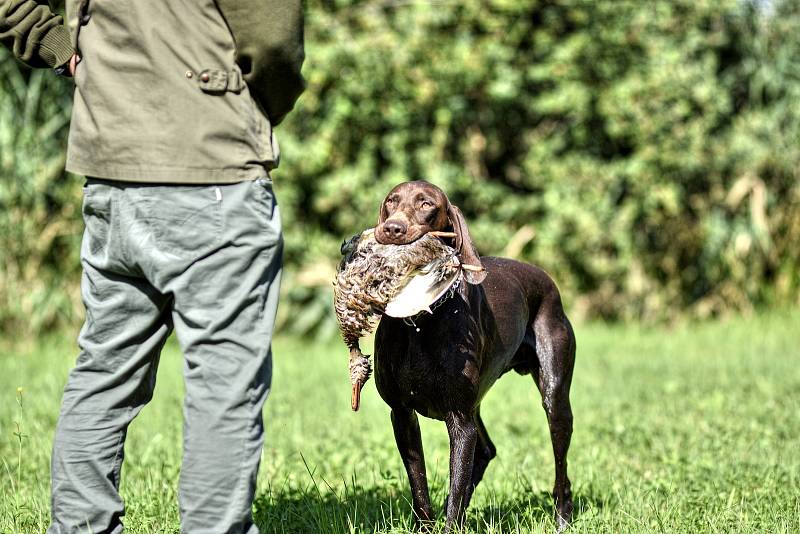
pixel 385 237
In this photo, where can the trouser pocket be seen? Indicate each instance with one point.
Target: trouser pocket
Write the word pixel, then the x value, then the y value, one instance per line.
pixel 97 214
pixel 265 196
pixel 185 220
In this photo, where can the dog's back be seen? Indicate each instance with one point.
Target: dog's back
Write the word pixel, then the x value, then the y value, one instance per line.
pixel 482 332
pixel 517 296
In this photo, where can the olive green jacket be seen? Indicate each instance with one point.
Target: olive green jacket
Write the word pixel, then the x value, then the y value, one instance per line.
pixel 183 91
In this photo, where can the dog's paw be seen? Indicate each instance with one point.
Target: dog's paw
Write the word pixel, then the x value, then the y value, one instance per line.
pixel 424 525
pixel 563 520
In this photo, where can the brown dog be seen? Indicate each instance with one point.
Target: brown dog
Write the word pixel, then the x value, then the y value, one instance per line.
pixel 508 316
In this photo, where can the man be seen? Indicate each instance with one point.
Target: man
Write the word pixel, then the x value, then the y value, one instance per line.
pixel 172 125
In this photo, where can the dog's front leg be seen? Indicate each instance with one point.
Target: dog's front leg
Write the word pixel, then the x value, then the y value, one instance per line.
pixel 463 435
pixel 409 443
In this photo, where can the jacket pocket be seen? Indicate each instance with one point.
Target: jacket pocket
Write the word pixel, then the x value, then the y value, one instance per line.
pixel 82 17
pixel 260 131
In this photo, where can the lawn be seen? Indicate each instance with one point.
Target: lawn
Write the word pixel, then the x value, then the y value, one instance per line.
pixel 688 429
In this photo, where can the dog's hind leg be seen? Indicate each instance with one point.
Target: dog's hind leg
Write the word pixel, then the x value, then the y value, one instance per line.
pixel 555 348
pixel 484 452
pixel 559 418
pixel 409 443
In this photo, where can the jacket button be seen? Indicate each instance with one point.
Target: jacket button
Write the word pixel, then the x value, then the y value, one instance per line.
pixel 189 74
pixel 204 77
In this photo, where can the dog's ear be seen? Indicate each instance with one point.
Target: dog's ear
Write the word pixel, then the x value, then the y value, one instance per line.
pixel 473 268
pixel 383 213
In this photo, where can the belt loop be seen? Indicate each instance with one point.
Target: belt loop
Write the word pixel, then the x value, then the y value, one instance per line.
pixel 218 80
pixel 235 83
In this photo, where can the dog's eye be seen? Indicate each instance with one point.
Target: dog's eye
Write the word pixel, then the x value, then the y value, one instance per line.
pixel 426 205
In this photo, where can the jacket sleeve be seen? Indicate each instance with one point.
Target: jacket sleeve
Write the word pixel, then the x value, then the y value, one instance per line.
pixel 34 33
pixel 269 47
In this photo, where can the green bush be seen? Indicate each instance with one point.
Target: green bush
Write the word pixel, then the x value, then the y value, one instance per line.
pixel 40 223
pixel 644 153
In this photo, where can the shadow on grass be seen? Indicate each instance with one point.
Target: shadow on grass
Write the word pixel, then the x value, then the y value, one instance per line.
pixel 387 509
pixel 357 510
pixel 521 513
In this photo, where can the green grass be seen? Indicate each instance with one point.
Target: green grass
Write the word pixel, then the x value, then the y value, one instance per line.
pixel 690 429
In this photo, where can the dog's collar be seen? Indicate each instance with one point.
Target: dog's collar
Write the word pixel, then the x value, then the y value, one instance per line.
pixel 450 293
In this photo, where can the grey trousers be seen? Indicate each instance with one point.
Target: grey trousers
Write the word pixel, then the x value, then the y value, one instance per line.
pixel 206 261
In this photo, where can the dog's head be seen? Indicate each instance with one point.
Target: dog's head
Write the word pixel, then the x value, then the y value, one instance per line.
pixel 412 209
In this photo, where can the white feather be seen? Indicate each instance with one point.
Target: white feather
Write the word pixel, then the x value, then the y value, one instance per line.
pixel 424 288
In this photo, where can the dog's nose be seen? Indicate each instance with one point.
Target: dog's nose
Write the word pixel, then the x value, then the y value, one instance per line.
pixel 394 229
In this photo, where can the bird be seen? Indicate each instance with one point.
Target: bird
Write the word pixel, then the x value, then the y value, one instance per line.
pixel 371 275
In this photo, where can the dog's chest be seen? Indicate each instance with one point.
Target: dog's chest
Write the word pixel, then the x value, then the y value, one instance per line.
pixel 419 371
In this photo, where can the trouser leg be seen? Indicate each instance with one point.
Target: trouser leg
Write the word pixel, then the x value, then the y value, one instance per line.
pixel 127 323
pixel 224 312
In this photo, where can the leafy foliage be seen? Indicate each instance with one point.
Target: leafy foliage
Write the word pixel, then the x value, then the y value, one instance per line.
pixel 644 153
pixel 40 222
